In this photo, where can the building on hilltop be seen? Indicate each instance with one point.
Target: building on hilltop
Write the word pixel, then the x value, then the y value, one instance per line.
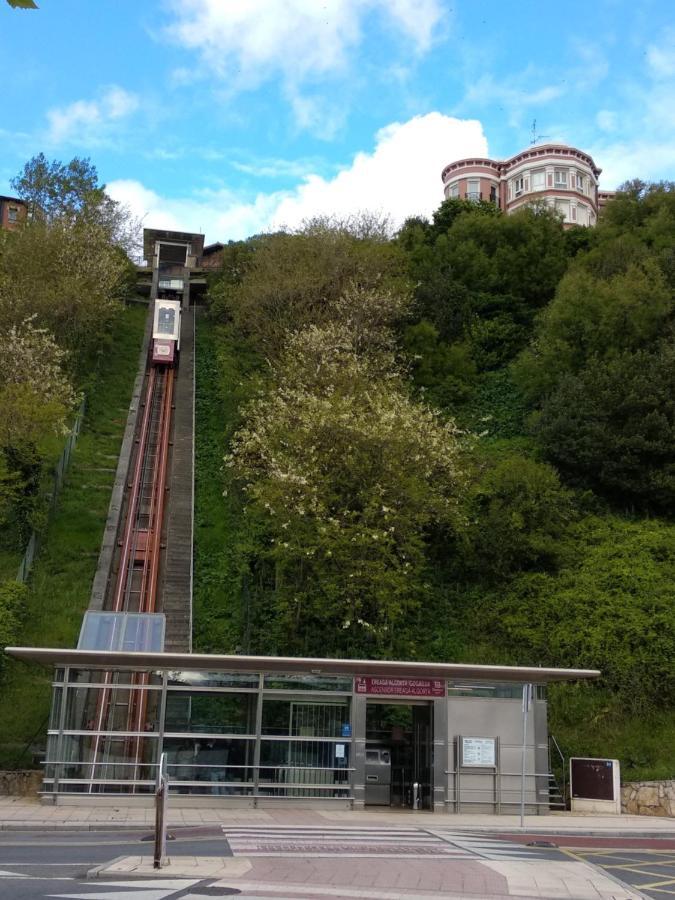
pixel 562 177
pixel 13 212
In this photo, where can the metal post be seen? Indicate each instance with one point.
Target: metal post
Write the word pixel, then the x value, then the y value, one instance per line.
pixel 527 699
pixel 161 794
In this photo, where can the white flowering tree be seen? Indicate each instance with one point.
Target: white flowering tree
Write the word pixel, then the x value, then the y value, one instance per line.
pixel 36 395
pixel 344 476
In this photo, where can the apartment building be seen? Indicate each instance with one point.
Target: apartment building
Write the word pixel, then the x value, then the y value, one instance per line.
pixel 562 177
pixel 12 212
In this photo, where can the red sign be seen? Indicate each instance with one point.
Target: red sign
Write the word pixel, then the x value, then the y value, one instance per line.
pixel 400 687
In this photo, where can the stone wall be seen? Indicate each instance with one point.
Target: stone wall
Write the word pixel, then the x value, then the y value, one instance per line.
pixel 648 798
pixel 20 784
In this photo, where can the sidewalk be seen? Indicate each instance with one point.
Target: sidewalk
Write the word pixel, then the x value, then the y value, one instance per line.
pixel 349 878
pixel 20 813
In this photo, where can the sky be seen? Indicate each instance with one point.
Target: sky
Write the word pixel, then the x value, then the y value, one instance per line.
pixel 233 117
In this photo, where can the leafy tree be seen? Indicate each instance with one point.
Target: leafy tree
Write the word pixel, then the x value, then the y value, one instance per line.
pixel 345 474
pixel 292 278
pixel 69 276
pixel 445 372
pixel 611 609
pixel 71 192
pixel 36 395
pixel 612 427
pixel 518 512
pixel 53 189
pixel 594 316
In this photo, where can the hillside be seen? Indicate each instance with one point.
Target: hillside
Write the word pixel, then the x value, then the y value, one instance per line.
pixel 532 523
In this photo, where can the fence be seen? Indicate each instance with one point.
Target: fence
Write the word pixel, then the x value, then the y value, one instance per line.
pixel 59 475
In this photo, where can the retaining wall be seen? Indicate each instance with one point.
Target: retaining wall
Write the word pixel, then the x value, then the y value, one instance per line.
pixel 648 798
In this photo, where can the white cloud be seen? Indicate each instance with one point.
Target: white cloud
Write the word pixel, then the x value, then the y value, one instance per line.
pixel 401 177
pixel 607 120
pixel 661 57
pixel 91 121
pixel 299 38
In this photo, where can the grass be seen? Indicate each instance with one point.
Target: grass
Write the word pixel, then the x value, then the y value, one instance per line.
pixel 223 382
pixel 61 581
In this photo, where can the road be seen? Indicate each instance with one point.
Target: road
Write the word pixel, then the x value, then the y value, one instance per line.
pixel 55 864
pixel 297 861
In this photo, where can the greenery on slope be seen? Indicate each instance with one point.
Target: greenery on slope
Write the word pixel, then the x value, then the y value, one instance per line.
pixel 553 350
pixel 59 588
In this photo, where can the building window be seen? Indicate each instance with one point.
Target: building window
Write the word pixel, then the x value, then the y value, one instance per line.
pixel 538 180
pixel 473 190
pixel 519 186
pixel 12 214
pixel 493 194
pixel 454 190
pixel 580 181
pixel 560 178
pixel 563 207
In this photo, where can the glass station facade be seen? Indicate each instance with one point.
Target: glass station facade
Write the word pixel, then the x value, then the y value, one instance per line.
pixel 225 734
pixel 236 731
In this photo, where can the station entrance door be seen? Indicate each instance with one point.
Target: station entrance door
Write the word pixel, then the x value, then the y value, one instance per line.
pixel 399 742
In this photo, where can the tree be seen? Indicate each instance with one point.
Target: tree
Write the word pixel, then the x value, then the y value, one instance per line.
pixel 291 279
pixel 71 192
pixel 518 512
pixel 593 316
pixel 611 608
pixel 36 395
pixel 344 475
pixel 53 189
pixel 611 427
pixel 69 276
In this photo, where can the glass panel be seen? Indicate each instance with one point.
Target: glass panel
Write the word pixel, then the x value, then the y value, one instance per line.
pixel 214 679
pixel 166 318
pixel 501 690
pixel 304 768
pixel 308 683
pixel 210 712
pixel 119 677
pixel 116 758
pixel 55 711
pixel 112 709
pixel 140 632
pixel 304 718
pixel 224 766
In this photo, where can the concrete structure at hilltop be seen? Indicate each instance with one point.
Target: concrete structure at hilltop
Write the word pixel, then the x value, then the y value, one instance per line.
pixel 560 176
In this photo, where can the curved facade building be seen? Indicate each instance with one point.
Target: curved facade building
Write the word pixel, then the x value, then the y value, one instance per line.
pixel 561 176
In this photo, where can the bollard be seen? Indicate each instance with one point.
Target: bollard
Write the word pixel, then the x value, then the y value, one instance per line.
pixel 416 795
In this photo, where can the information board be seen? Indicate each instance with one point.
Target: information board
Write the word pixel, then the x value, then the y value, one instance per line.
pixel 479 752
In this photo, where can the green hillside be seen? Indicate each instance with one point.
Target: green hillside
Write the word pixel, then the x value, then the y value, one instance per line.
pixel 532 522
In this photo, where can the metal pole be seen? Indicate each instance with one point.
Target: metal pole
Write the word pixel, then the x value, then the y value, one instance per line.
pixel 527 694
pixel 160 813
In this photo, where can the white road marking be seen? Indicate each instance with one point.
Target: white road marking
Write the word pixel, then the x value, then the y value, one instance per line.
pixel 4 874
pixel 144 890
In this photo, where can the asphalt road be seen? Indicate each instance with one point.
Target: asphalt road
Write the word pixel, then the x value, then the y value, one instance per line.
pixel 37 865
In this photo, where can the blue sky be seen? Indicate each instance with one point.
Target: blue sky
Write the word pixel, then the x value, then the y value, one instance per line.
pixel 231 116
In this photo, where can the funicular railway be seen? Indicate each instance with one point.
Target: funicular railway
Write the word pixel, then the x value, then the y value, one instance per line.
pixel 244 730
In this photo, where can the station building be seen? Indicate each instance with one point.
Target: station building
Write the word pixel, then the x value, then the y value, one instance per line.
pixel 270 731
pixel 560 176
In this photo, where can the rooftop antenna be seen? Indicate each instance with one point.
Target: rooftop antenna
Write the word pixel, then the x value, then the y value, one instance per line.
pixel 537 137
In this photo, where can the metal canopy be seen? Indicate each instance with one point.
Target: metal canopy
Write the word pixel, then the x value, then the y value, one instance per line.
pixel 97 659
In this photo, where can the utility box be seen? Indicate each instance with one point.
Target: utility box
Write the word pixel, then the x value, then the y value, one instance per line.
pixel 378 776
pixel 595 785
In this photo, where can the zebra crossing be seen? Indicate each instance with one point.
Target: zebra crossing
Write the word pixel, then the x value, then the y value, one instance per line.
pixel 377 842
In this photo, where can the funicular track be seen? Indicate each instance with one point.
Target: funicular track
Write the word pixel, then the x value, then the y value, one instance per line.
pixel 135 587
